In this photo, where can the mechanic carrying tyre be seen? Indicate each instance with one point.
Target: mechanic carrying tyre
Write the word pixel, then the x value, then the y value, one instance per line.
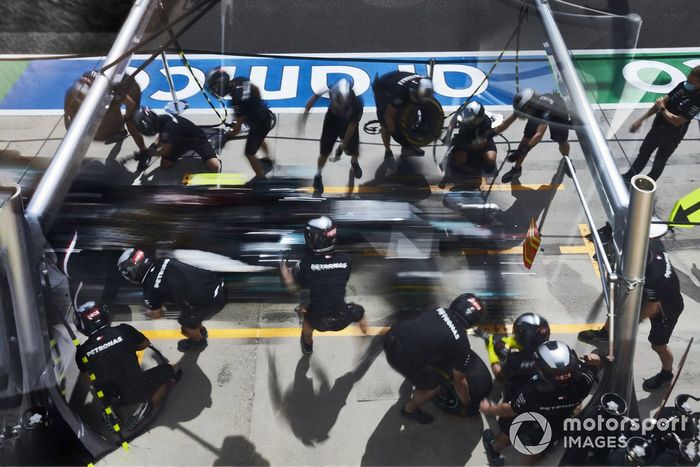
pixel 421 349
pixel 199 293
pixel 325 273
pixel 407 111
pixel 109 353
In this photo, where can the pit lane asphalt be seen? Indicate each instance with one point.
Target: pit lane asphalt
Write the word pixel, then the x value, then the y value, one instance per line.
pixel 254 400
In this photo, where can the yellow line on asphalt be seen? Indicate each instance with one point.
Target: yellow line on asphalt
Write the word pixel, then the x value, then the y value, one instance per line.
pixel 433 188
pixel 587 247
pixel 272 333
pixel 516 250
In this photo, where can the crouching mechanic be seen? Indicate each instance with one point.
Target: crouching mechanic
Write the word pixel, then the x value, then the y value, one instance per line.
pixel 556 391
pixel 512 358
pixel 175 136
pixel 438 339
pixel 473 150
pixel 325 273
pixel 249 108
pixel 541 111
pixel 200 294
pixel 662 303
pixel 341 121
pixel 110 354
pixel 392 93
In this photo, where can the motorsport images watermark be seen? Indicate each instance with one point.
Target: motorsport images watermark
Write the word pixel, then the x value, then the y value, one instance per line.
pixel 531 433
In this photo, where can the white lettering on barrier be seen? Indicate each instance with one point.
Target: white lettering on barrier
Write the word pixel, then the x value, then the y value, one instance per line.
pixel 631 74
pixel 288 85
pixel 188 91
pixel 475 77
pixel 319 77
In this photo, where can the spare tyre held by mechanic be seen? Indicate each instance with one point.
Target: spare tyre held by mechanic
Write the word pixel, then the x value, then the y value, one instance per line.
pixel 438 339
pixel 407 111
pixel 109 353
pixel 325 273
pixel 199 293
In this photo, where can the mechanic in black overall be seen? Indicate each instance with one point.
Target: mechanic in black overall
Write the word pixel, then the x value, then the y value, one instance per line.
pixel 512 358
pixel 673 115
pixel 662 303
pixel 249 108
pixel 562 382
pixel 391 92
pixel 438 339
pixel 176 136
pixel 540 110
pixel 111 129
pixel 110 354
pixel 201 294
pixel 473 151
pixel 341 121
pixel 325 274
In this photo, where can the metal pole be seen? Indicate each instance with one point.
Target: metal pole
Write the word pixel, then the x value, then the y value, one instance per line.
pixel 606 177
pixel 176 106
pixel 634 262
pixel 55 183
pixel 21 282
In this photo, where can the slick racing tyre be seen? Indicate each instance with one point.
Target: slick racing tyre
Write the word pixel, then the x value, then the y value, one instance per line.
pixel 419 124
pixel 447 398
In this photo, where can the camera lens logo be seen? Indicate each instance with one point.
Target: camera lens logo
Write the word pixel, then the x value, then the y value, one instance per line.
pixel 519 441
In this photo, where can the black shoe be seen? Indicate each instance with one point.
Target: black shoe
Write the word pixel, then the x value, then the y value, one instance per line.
pixel 143 410
pixel 356 169
pixel 418 415
pixel 488 439
pixel 118 137
pixel 412 151
pixel 306 349
pixel 267 165
pixel 253 182
pixel 187 345
pixel 110 420
pixel 512 174
pixel 658 380
pixel 318 184
pixel 204 332
pixel 594 335
pixel 513 156
pixel 389 160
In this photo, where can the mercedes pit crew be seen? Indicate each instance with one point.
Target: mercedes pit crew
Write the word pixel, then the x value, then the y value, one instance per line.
pixel 111 130
pixel 437 339
pixel 109 354
pixel 341 121
pixel 199 294
pixel 562 382
pixel 472 150
pixel 542 111
pixel 662 303
pixel 249 108
pixel 673 114
pixel 176 136
pixel 392 92
pixel 325 273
